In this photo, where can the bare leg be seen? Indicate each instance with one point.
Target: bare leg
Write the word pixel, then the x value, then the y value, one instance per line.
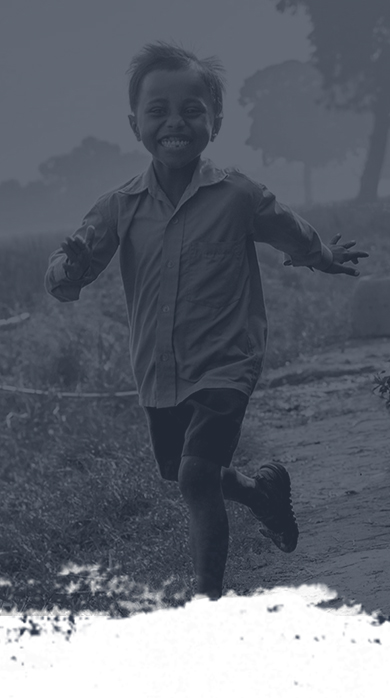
pixel 200 485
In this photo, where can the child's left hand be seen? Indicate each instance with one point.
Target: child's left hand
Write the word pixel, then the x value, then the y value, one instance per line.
pixel 341 255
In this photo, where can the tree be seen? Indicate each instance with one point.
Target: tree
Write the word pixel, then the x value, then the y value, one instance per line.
pixel 91 168
pixel 385 172
pixel 351 42
pixel 68 186
pixel 289 120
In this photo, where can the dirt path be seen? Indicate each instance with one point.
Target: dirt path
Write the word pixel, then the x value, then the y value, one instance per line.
pixel 332 433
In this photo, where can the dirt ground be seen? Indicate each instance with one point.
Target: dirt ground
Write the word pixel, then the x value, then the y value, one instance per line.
pixel 320 418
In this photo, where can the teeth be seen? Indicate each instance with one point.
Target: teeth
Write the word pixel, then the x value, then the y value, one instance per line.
pixel 174 143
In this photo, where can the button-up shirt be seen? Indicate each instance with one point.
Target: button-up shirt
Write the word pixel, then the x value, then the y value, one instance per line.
pixel 191 276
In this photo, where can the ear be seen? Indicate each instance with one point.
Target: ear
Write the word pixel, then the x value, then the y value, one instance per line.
pixel 133 124
pixel 216 127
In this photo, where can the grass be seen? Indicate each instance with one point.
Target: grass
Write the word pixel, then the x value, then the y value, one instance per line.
pixel 23 262
pixel 382 385
pixel 85 521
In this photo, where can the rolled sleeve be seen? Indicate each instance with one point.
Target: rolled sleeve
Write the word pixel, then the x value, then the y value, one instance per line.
pixel 57 283
pixel 319 257
pixel 105 244
pixel 277 225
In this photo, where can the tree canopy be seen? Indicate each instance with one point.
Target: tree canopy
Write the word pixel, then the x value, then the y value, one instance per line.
pixel 351 42
pixel 290 121
pixel 92 164
pixel 69 184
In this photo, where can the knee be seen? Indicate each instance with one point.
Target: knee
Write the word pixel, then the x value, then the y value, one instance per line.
pixel 198 479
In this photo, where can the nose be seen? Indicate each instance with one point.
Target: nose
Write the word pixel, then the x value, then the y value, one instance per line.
pixel 175 121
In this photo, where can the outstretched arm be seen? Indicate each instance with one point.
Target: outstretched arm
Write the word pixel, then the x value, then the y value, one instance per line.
pixel 277 225
pixel 82 256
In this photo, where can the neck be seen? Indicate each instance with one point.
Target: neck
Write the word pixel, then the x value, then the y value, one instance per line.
pixel 174 181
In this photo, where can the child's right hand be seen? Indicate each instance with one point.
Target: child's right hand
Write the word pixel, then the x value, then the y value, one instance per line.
pixel 79 254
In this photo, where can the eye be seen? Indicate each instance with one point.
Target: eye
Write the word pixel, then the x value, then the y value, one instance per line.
pixel 156 111
pixel 192 111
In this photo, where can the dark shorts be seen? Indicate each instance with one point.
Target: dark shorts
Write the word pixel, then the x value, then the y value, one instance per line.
pixel 205 425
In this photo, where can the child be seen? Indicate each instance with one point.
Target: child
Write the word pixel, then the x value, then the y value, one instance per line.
pixel 186 232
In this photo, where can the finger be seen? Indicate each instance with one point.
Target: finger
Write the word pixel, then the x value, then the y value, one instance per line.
pixel 79 240
pixel 357 253
pixel 76 244
pixel 71 255
pixel 350 271
pixel 349 244
pixel 90 235
pixel 71 271
pixel 337 268
pixel 355 256
pixel 68 267
pixel 335 239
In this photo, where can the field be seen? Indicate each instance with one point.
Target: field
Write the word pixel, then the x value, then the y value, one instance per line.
pixel 85 521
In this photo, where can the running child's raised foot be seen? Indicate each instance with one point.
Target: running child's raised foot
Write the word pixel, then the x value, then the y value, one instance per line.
pixel 274 511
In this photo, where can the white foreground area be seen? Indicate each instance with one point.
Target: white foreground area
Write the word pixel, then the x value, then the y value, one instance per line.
pixel 276 643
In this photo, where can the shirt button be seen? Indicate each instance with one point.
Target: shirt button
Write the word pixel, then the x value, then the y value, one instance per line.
pixel 164 357
pixel 165 308
pixel 170 264
pixel 175 221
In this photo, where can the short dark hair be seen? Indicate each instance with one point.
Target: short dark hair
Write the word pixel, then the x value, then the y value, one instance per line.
pixel 164 56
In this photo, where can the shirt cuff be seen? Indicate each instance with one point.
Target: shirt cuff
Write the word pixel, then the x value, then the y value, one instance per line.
pixel 326 260
pixel 321 258
pixel 58 284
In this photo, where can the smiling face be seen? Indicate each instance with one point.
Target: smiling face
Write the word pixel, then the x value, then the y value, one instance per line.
pixel 174 117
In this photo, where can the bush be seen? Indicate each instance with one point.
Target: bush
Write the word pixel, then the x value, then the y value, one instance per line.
pixel 308 310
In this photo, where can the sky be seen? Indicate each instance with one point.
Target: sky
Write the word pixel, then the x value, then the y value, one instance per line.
pixel 64 64
pixel 63 74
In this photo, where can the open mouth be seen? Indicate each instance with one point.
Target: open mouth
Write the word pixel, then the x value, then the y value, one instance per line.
pixel 174 143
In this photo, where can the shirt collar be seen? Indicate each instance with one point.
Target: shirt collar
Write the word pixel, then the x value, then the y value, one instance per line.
pixel 205 174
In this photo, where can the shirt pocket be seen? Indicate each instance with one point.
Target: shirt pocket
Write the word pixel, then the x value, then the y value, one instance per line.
pixel 213 273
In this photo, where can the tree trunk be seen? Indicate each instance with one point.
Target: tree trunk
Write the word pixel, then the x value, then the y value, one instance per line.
pixel 307 184
pixel 369 182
